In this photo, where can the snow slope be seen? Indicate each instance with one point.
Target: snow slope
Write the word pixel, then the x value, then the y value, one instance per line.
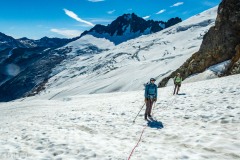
pixel 126 67
pixel 212 72
pixel 200 123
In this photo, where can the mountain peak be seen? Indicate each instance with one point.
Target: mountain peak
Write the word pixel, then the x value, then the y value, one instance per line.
pixel 23 38
pixel 8 42
pixel 129 26
pixel 129 16
pixel 45 37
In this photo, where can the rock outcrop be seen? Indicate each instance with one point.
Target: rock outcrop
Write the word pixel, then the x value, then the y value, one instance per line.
pixel 220 43
pixel 234 67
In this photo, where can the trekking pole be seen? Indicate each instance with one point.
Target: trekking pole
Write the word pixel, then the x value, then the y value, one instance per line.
pixel 138 113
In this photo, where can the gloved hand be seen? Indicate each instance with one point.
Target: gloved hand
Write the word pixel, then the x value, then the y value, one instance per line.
pixel 155 99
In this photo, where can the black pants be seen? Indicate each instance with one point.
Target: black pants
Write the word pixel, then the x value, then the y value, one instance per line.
pixel 149 105
pixel 177 87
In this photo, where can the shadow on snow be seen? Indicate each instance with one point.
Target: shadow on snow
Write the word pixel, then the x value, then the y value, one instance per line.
pixel 155 124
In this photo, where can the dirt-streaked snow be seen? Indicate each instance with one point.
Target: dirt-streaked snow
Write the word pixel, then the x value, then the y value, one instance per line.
pixel 200 123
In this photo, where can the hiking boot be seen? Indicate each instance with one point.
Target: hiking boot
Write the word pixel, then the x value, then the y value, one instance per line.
pixel 145 117
pixel 149 116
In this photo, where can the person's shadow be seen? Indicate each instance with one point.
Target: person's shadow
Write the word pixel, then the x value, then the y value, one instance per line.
pixel 180 94
pixel 155 124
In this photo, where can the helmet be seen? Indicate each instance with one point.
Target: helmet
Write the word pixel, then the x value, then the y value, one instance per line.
pixel 152 79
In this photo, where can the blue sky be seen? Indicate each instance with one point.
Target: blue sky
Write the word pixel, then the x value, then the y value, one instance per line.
pixel 68 18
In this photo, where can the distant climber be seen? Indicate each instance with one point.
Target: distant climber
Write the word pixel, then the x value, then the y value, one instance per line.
pixel 150 97
pixel 177 82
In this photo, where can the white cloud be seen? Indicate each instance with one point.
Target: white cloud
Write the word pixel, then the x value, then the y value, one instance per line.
pixel 111 12
pixel 67 33
pixel 146 17
pixel 96 0
pixel 177 4
pixel 74 16
pixel 161 11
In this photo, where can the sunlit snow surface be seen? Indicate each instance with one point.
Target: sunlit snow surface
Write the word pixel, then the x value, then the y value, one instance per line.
pixel 203 122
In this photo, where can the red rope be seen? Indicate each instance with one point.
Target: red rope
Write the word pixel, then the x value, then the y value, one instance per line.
pixel 137 143
pixel 139 138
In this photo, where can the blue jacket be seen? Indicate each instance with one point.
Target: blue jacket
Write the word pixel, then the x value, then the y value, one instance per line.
pixel 151 90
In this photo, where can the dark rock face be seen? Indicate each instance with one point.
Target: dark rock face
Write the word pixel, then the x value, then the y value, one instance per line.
pixel 132 22
pixel 35 67
pixel 14 61
pixel 53 42
pixel 34 72
pixel 45 42
pixel 219 44
pixel 234 67
pixel 8 42
pixel 25 64
pixel 172 22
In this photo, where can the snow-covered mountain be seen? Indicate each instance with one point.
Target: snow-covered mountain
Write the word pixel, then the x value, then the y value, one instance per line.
pixel 201 123
pixel 28 69
pixel 14 61
pixel 129 26
pixel 96 65
pixel 129 65
pixel 8 42
pixel 20 60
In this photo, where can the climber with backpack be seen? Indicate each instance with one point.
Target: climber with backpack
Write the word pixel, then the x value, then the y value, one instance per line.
pixel 150 97
pixel 177 82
